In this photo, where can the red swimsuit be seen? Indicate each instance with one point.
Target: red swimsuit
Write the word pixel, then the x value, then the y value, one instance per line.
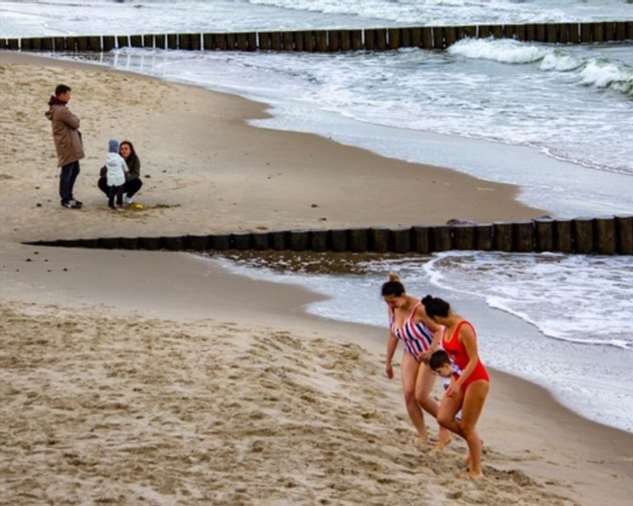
pixel 457 351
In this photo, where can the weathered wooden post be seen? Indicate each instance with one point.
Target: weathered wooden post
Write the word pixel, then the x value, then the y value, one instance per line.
pixel 544 234
pixel 357 39
pixel 606 236
pixel 345 39
pixel 338 240
pixel 381 39
pixel 503 237
pixel 242 241
pixel 278 241
pixel 484 237
pixel 299 240
pixel 553 31
pixel 401 240
pixel 196 42
pixel 265 41
pixel 583 235
pixel 261 241
pixel 598 32
pixel 441 238
pixel 136 41
pixel 359 240
pixel 464 32
pixel 172 41
pixel 524 236
pixel 379 239
pixel 485 31
pixel 321 41
pixel 108 43
pixel 420 237
pixel 197 242
pixel 586 32
pixel 149 243
pixel 288 41
pixel 220 242
pixel 439 41
pixel 563 240
pixel 405 37
pixel 416 37
pixel 334 41
pixel 464 237
pixel 319 240
pixel 450 35
pixel 427 37
pixel 624 228
pixel 394 38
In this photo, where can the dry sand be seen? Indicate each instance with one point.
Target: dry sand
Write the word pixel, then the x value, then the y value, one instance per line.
pixel 156 378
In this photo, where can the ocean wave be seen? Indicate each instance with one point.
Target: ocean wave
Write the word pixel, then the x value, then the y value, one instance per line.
pixel 452 12
pixel 556 293
pixel 599 73
pixel 499 50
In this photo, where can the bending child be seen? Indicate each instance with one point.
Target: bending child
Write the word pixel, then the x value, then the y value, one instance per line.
pixel 115 174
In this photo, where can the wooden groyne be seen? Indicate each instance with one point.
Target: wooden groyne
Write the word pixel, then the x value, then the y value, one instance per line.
pixel 605 236
pixel 427 37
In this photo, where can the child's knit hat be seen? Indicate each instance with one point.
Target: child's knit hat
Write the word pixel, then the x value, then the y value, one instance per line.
pixel 113 146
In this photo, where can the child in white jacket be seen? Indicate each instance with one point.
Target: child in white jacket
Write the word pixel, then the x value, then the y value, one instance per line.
pixel 115 174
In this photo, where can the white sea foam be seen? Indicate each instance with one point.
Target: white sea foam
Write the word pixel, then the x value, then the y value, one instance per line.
pixel 500 50
pixel 589 71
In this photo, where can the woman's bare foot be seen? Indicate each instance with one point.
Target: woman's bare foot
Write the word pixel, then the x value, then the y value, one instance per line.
pixel 474 475
pixel 443 442
pixel 422 440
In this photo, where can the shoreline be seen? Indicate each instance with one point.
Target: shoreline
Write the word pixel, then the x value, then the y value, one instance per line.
pixel 168 286
pixel 264 179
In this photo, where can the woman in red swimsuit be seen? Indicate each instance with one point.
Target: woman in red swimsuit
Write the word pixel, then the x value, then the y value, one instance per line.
pixel 469 392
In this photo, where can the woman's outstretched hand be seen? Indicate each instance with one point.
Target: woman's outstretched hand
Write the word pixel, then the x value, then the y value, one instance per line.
pixel 389 370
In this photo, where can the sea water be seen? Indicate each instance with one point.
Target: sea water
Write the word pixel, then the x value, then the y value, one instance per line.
pixel 56 17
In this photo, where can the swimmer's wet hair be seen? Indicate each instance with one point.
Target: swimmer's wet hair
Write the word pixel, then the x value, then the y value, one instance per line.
pixel 438 359
pixel 393 287
pixel 436 307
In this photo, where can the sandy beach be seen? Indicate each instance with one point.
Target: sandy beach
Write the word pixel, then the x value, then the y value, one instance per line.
pixel 158 378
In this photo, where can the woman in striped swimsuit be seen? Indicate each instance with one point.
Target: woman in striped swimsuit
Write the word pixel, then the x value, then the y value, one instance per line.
pixel 409 323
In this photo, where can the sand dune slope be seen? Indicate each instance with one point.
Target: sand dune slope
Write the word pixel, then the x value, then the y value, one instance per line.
pixel 109 410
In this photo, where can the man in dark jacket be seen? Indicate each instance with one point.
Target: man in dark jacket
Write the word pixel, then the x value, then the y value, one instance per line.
pixel 68 144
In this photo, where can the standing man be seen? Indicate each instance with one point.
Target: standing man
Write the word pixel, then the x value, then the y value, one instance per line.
pixel 68 144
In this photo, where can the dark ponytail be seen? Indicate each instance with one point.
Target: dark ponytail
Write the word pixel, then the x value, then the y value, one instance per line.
pixel 393 287
pixel 436 307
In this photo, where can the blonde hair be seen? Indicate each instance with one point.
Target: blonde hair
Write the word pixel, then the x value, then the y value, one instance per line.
pixel 393 277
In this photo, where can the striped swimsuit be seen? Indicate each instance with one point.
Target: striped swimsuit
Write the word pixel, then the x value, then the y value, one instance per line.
pixel 417 337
